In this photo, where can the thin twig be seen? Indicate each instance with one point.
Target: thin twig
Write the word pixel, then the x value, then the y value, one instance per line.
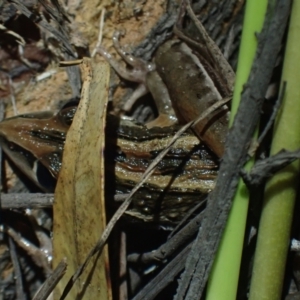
pixel 168 249
pixel 51 281
pixel 274 114
pixel 11 93
pixel 2 111
pixel 165 277
pixel 17 269
pixel 36 200
pixel 16 36
pixel 12 96
pixel 101 24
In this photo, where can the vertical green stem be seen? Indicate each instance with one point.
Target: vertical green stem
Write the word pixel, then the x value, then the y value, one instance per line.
pixel 223 281
pixel 275 224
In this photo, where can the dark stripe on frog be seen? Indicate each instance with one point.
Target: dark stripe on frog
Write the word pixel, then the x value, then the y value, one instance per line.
pixel 130 131
pixel 52 136
pixel 197 159
pixel 182 179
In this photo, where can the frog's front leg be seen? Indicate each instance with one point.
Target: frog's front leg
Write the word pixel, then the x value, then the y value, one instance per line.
pixel 145 74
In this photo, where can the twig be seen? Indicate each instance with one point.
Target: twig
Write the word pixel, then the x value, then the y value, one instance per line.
pixel 1 153
pixel 166 276
pixel 273 116
pixel 191 212
pixel 265 168
pixel 12 96
pixel 51 281
pixel 16 36
pixel 36 200
pixel 99 41
pixel 166 250
pixel 17 269
pixel 123 288
pixel 26 200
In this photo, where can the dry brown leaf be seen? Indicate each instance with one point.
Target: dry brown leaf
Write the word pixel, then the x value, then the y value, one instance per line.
pixel 79 212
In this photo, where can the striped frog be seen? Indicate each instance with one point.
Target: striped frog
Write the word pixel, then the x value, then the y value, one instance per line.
pixel 192 76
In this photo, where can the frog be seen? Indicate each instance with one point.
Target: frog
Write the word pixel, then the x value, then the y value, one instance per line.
pixel 36 140
pixel 185 77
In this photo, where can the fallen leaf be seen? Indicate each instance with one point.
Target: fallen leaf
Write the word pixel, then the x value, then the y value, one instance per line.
pixel 79 211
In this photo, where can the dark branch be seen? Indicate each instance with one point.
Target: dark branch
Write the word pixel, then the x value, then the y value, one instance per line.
pixel 266 168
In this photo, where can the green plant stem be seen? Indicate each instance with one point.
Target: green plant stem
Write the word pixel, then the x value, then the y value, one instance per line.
pixel 275 224
pixel 222 285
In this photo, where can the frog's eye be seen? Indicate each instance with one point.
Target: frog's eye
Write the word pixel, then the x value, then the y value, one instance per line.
pixel 66 115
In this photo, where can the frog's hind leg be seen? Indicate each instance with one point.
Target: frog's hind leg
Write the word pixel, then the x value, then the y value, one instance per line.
pixel 140 91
